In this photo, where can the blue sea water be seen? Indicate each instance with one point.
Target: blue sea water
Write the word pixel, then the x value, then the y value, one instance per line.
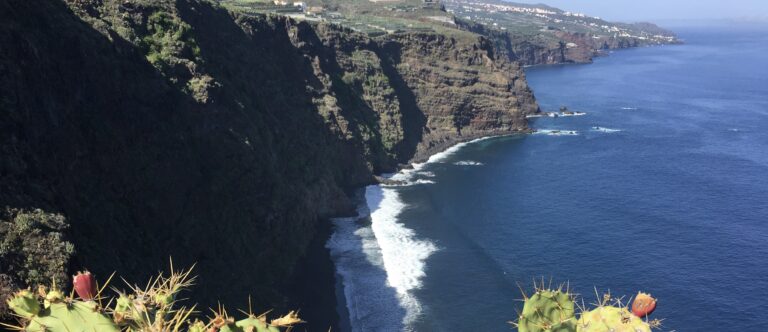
pixel 661 187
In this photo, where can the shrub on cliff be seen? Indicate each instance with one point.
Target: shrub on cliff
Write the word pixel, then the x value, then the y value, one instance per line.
pixel 33 249
pixel 169 37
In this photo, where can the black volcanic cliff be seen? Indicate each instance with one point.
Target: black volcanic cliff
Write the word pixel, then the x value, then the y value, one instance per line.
pixel 165 128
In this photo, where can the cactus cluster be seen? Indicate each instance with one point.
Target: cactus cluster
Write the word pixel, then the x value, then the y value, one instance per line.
pixel 152 308
pixel 552 310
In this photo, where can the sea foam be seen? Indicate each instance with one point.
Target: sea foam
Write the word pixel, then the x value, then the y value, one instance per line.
pixel 357 257
pixel 440 156
pixel 605 130
pixel 468 163
pixel 556 132
pixel 402 253
pixel 381 262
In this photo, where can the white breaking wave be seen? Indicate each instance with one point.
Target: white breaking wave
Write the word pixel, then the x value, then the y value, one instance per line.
pixel 382 263
pixel 403 255
pixel 556 132
pixel 629 108
pixel 408 183
pixel 572 114
pixel 554 114
pixel 606 130
pixel 357 257
pixel 440 156
pixel 468 163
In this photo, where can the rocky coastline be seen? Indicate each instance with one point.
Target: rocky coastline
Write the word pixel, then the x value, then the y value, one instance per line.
pixel 157 128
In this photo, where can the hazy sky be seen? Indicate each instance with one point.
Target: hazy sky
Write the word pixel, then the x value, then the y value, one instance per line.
pixel 635 10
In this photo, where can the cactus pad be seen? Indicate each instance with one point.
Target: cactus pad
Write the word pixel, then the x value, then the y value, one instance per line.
pixel 24 303
pixel 547 310
pixel 610 318
pixel 75 316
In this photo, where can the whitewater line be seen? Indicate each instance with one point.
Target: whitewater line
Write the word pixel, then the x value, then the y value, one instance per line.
pixel 380 260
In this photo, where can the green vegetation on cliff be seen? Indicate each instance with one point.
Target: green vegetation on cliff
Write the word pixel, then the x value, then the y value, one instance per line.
pixel 164 127
pixel 33 251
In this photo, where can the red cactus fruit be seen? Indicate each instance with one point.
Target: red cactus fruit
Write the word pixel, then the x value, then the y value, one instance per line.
pixel 85 285
pixel 643 305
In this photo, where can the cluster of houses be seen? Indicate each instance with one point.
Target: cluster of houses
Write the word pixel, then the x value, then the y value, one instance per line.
pixel 468 10
pixel 301 6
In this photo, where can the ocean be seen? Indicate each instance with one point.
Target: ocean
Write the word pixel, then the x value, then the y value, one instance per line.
pixel 661 187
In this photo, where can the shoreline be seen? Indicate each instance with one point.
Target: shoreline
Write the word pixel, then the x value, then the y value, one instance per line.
pixel 327 290
pixel 343 316
pixel 450 142
pixel 601 53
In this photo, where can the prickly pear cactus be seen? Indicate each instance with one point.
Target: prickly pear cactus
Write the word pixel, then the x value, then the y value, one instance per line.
pixel 58 313
pixel 151 308
pixel 547 310
pixel 223 323
pixel 610 318
pixel 145 309
pixel 75 316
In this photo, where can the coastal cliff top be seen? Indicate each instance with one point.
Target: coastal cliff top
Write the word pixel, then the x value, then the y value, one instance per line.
pixel 455 17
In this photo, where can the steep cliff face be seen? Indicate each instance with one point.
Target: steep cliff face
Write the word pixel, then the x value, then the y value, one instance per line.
pixel 143 169
pixel 427 91
pixel 566 48
pixel 175 128
pixel 556 48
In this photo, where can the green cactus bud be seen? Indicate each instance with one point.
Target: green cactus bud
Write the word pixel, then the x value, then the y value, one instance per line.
pixel 547 310
pixel 122 312
pixel 164 299
pixel 53 296
pixel 24 303
pixel 610 318
pixel 197 326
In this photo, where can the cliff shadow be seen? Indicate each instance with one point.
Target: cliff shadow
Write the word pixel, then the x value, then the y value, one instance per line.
pixel 413 119
pixel 143 171
pixel 361 117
